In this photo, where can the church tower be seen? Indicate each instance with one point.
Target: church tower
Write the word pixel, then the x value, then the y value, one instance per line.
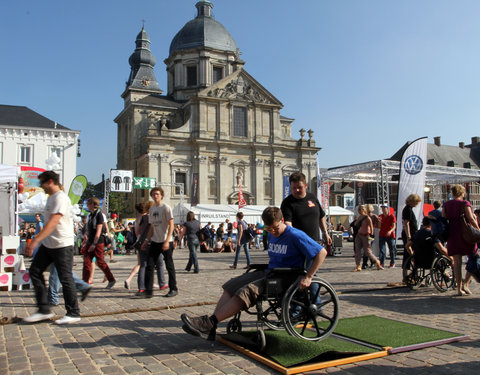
pixel 215 131
pixel 201 53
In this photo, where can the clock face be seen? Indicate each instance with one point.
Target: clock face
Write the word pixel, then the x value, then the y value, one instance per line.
pixel 145 82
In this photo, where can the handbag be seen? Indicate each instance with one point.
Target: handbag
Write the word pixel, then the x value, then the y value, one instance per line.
pixel 470 234
pixel 139 242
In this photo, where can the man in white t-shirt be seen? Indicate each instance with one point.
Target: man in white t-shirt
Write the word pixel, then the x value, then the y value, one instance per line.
pixel 159 241
pixel 56 246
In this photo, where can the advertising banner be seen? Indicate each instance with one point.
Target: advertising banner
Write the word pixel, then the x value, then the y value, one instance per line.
pixel 241 199
pixel 286 187
pixel 194 198
pixel 412 178
pixel 77 188
pixel 30 180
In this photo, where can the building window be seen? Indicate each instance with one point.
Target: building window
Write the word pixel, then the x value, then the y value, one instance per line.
pixel 180 178
pixel 217 74
pixel 25 154
pixel 212 187
pixel 191 75
pixel 474 188
pixel 240 121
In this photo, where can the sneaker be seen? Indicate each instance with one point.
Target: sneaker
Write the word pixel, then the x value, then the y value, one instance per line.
pixel 199 326
pixel 53 303
pixel 391 266
pixel 113 261
pixel 38 317
pixel 142 295
pixel 85 293
pixel 172 293
pixel 126 284
pixel 110 284
pixel 233 267
pixel 67 320
pixel 164 287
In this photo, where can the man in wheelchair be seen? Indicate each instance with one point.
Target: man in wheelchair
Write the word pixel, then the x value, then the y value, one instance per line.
pixel 425 243
pixel 287 247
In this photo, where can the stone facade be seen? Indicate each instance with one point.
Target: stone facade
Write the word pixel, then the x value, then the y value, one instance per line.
pixel 217 128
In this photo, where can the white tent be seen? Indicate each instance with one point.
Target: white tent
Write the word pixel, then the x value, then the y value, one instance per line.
pixel 8 199
pixel 217 213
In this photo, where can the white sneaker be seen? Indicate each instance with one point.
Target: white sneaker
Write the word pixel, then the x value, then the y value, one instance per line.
pixel 38 317
pixel 68 319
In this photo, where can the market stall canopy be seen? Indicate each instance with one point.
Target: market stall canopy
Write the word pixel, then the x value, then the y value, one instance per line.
pixel 8 199
pixel 8 173
pixel 389 170
pixel 217 213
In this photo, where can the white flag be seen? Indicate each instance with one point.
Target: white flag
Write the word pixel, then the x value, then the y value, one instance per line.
pixel 412 179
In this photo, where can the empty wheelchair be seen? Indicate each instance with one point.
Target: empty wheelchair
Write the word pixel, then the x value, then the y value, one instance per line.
pixel 423 270
pixel 310 314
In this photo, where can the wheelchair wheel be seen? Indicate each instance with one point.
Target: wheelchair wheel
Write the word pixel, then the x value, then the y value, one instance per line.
pixel 234 325
pixel 271 314
pixel 411 274
pixel 312 313
pixel 442 274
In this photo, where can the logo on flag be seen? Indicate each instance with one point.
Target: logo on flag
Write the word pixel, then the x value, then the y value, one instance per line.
pixel 413 164
pixel 241 198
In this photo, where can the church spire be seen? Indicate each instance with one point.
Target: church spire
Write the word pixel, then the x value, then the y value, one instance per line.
pixel 142 62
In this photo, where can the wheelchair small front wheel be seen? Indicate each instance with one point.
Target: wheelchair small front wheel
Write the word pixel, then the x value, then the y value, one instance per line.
pixel 442 274
pixel 261 340
pixel 234 325
pixel 310 313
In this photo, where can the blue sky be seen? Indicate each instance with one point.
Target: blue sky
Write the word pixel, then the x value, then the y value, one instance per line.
pixel 366 76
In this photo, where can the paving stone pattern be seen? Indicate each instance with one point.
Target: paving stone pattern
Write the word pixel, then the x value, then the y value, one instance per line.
pixel 122 335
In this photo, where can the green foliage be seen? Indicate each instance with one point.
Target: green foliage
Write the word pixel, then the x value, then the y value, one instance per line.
pixel 118 203
pixel 89 192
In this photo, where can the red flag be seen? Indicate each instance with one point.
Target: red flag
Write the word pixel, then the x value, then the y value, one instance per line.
pixel 241 198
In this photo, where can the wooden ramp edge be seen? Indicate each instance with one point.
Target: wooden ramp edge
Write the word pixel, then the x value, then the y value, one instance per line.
pixel 303 368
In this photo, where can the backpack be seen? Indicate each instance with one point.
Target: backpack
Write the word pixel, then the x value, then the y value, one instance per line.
pixel 206 232
pixel 94 222
pixel 251 232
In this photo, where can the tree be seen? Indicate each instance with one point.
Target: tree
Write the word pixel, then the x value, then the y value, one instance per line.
pixel 118 203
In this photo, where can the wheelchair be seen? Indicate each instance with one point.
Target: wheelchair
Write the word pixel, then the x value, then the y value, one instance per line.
pixel 439 272
pixel 310 314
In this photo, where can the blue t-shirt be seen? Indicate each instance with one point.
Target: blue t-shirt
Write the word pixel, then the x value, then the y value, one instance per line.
pixel 291 248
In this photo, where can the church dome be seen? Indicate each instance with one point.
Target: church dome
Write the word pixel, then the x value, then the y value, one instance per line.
pixel 203 31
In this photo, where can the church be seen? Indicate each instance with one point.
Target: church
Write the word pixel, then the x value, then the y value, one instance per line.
pixel 216 132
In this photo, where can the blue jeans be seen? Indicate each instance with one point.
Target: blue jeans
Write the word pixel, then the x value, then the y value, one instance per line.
pixel 391 245
pixel 258 237
pixel 193 246
pixel 54 285
pixel 154 252
pixel 143 266
pixel 237 253
pixel 63 259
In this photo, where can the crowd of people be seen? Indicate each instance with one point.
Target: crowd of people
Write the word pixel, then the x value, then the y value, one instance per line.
pixel 440 229
pixel 295 232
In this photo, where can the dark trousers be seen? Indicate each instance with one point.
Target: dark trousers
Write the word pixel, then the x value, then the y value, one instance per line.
pixel 87 262
pixel 154 251
pixel 63 259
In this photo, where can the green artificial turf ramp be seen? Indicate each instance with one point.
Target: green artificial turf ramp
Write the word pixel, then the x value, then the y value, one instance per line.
pixel 290 351
pixel 388 333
